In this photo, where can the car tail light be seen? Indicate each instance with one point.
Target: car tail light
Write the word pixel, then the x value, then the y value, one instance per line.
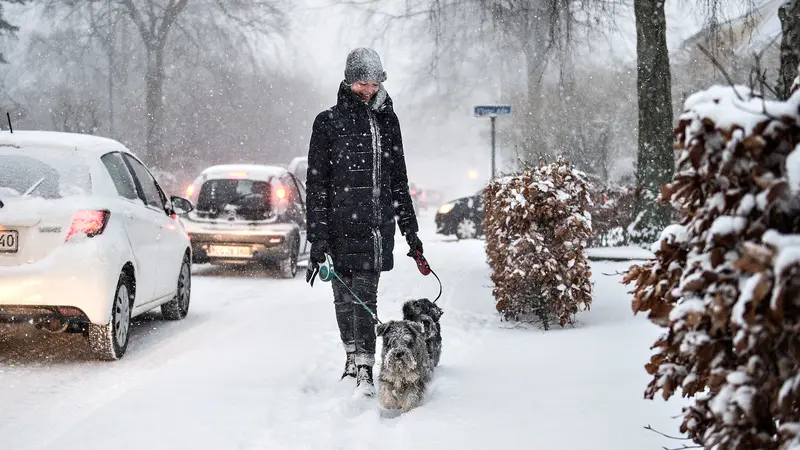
pixel 281 193
pixel 190 190
pixel 88 222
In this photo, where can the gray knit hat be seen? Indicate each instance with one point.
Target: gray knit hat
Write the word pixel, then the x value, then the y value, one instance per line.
pixel 364 64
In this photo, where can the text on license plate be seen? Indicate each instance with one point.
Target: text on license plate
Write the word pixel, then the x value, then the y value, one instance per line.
pixel 9 241
pixel 230 251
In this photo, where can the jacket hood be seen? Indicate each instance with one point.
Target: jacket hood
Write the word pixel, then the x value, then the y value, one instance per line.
pixel 346 98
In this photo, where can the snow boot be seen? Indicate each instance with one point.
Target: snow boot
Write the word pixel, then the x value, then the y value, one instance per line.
pixel 364 383
pixel 349 366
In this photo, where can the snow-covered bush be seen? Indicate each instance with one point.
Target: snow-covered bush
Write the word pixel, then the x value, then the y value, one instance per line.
pixel 537 224
pixel 612 213
pixel 725 282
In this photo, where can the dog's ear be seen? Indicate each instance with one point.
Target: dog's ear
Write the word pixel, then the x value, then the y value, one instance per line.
pixel 408 310
pixel 436 311
pixel 416 329
pixel 382 329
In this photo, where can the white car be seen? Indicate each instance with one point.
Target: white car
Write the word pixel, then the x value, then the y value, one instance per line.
pixel 248 214
pixel 298 167
pixel 88 239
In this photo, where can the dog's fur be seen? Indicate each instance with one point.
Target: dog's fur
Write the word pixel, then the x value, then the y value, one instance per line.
pixel 406 367
pixel 427 313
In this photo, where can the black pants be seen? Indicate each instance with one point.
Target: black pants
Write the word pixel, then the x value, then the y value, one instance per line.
pixel 356 325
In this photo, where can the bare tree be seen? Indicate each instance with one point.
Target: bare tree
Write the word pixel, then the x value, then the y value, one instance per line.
pixel 237 24
pixel 7 29
pixel 655 158
pixel 789 14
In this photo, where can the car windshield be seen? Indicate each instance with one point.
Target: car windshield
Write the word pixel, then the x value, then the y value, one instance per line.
pixel 234 198
pixel 44 173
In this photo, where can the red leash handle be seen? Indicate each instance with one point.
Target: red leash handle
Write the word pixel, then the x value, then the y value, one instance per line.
pixel 422 263
pixel 425 269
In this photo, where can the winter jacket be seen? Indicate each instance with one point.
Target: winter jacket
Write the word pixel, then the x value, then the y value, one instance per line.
pixel 357 186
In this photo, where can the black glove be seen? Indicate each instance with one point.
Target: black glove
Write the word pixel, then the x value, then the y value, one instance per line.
pixel 318 250
pixel 315 258
pixel 414 244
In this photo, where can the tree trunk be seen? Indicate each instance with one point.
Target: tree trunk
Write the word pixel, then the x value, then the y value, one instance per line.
pixel 154 106
pixel 789 15
pixel 655 161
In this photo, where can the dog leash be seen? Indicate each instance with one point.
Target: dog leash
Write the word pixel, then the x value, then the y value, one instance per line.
pixel 425 269
pixel 326 273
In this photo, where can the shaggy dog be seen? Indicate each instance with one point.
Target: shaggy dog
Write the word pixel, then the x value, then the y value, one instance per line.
pixel 427 313
pixel 406 368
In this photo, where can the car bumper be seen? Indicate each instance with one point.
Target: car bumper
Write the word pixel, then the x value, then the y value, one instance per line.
pixel 264 245
pixel 74 277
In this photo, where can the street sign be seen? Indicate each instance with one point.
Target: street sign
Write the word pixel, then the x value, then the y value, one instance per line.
pixel 492 110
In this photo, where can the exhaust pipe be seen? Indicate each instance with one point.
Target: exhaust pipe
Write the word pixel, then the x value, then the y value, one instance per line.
pixel 52 324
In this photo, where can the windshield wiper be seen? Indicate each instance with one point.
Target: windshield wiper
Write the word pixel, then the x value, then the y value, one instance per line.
pixel 32 188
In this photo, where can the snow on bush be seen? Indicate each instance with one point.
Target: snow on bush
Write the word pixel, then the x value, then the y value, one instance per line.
pixel 725 282
pixel 612 213
pixel 537 224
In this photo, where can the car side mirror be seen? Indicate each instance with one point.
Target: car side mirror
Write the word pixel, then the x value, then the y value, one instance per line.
pixel 181 205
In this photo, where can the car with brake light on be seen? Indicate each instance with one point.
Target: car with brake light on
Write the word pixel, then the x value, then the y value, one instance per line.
pixel 88 239
pixel 248 214
pixel 462 217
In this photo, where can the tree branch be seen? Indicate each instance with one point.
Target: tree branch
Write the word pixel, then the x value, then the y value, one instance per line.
pixel 721 69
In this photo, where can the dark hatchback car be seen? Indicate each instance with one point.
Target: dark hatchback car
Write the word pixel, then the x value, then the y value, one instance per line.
pixel 248 214
pixel 462 217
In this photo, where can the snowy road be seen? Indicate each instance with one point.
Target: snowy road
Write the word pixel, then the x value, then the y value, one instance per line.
pixel 256 364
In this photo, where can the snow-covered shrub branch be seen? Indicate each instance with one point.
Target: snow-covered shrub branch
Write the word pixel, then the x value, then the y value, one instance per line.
pixel 725 282
pixel 612 213
pixel 537 224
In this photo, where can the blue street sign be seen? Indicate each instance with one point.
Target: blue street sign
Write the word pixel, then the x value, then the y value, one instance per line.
pixel 492 110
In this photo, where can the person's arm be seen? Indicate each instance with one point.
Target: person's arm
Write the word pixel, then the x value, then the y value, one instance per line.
pixel 401 197
pixel 318 180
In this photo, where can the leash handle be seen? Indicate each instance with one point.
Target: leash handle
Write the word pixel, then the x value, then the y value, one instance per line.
pixel 425 269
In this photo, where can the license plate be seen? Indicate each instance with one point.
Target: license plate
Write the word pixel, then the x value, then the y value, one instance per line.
pixel 9 241
pixel 230 252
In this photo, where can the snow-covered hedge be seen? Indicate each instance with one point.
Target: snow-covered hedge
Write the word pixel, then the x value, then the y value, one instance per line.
pixel 612 214
pixel 537 225
pixel 725 282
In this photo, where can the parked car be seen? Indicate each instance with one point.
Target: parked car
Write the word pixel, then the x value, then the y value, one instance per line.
pixel 248 214
pixel 462 217
pixel 299 168
pixel 88 239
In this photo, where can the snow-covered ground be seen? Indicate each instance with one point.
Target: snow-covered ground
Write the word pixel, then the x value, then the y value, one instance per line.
pixel 256 365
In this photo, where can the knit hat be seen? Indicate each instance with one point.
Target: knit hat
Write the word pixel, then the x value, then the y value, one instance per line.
pixel 363 64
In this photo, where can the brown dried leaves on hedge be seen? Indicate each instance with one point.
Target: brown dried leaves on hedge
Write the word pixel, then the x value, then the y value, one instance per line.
pixel 536 227
pixel 725 282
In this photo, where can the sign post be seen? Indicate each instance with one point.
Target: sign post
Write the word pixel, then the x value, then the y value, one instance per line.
pixel 492 112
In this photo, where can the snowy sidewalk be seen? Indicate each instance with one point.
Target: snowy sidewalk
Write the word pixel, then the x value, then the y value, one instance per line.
pixel 256 366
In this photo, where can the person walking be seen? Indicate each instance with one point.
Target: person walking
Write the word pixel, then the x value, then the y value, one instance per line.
pixel 357 195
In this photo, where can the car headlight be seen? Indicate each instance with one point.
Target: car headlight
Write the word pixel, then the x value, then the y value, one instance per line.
pixel 446 208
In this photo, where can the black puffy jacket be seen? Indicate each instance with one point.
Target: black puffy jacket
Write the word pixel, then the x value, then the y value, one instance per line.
pixel 357 183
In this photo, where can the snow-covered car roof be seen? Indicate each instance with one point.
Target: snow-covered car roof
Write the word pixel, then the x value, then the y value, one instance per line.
pixel 61 141
pixel 247 171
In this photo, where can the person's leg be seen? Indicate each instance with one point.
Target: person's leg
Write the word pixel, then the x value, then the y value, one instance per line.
pixel 365 285
pixel 344 307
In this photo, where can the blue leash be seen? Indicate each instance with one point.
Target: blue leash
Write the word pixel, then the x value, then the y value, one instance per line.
pixel 326 273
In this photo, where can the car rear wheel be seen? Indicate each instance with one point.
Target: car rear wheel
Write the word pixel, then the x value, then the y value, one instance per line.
pixel 467 229
pixel 288 266
pixel 109 342
pixel 178 307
